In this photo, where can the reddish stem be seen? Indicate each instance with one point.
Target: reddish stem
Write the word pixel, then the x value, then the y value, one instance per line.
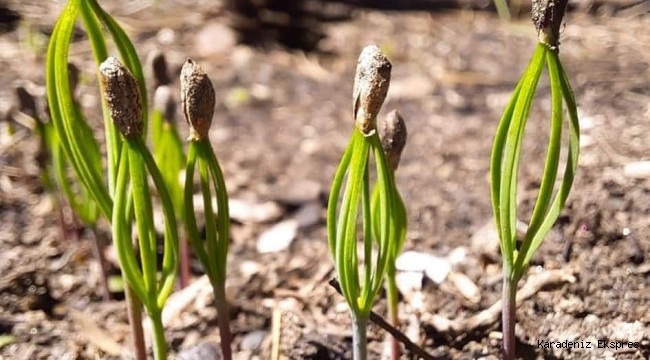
pixel 134 310
pixel 185 263
pixel 223 313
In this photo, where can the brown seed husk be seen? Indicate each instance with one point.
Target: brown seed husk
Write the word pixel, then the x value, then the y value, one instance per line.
pixel 370 87
pixel 393 136
pixel 122 96
pixel 547 16
pixel 198 99
pixel 158 66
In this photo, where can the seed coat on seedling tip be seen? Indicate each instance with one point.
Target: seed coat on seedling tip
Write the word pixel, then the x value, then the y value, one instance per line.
pixel 122 96
pixel 198 98
pixel 370 87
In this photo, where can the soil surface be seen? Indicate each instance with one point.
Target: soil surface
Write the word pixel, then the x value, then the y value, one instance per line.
pixel 282 121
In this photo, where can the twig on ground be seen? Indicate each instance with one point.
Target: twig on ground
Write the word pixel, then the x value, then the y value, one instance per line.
pixel 379 321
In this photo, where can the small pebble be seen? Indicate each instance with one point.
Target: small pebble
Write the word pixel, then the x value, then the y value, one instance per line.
pixel 203 351
pixel 278 237
pixel 637 170
pixel 458 256
pixel 298 192
pixel 465 287
pixel 434 267
pixel 252 212
pixel 409 282
pixel 253 339
pixel 166 36
pixel 309 214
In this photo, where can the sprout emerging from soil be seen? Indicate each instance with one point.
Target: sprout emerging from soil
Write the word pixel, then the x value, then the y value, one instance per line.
pixel 361 287
pixel 393 140
pixel 168 149
pixel 124 198
pixel 198 99
pixel 547 16
pixel 151 284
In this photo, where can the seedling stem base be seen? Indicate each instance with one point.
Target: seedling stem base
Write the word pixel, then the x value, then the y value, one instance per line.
pixel 509 317
pixel 221 303
pixel 359 338
pixel 134 310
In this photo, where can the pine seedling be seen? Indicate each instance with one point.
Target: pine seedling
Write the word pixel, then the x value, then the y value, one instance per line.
pixel 168 146
pixel 151 284
pixel 198 99
pixel 164 104
pixel 393 136
pixel 360 289
pixel 54 171
pixel 547 17
pixel 81 202
pixel 77 196
pixel 26 113
pixel 68 124
pixel 158 68
pixel 168 150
